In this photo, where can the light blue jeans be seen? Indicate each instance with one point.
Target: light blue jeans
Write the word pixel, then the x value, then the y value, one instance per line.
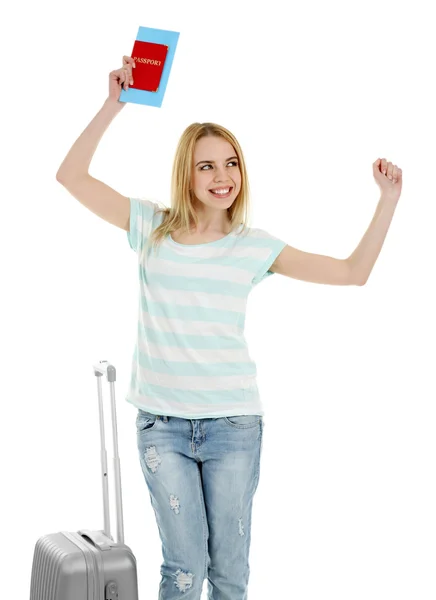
pixel 202 475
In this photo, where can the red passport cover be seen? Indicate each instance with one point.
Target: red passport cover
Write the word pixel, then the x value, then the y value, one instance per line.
pixel 149 60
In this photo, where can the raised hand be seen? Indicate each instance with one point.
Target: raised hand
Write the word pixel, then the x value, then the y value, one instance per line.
pixel 121 78
pixel 389 178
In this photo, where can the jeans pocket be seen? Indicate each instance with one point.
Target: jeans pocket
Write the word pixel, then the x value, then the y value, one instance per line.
pixel 145 421
pixel 243 421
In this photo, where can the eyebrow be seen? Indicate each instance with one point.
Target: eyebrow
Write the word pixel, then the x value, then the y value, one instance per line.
pixel 212 161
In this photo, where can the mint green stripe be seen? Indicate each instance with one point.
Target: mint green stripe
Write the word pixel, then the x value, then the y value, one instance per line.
pixel 133 234
pixel 198 342
pixel 197 284
pixel 159 365
pixel 214 397
pixel 146 212
pixel 193 313
pixel 263 270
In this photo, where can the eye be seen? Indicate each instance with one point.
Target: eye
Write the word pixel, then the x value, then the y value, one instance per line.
pixel 232 162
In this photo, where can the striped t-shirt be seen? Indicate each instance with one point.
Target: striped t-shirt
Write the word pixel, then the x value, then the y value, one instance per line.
pixel 191 358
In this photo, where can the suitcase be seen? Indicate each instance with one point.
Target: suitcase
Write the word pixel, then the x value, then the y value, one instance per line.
pixel 89 565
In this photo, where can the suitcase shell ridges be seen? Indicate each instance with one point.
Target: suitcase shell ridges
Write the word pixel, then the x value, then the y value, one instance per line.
pixel 89 564
pixel 67 567
pixel 48 560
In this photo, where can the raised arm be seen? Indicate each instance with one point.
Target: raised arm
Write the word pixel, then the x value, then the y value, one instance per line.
pixel 73 173
pixel 356 269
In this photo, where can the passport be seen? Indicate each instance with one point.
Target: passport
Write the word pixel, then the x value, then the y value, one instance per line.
pixel 153 53
pixel 149 60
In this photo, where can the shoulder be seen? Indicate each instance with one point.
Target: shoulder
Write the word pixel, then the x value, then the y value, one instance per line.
pixel 147 205
pixel 147 209
pixel 257 236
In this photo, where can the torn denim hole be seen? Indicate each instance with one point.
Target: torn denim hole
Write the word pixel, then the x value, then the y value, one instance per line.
pixel 152 458
pixel 183 580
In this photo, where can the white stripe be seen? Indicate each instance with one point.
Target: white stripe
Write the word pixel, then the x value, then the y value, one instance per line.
pixel 182 327
pixel 191 355
pixel 191 383
pixel 139 221
pixel 202 299
pixel 188 410
pixel 222 251
pixel 216 272
pixel 261 234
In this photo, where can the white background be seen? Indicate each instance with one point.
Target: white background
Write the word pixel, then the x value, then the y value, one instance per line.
pixel 315 92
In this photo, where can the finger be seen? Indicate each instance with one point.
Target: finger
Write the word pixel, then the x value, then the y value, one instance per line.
pixel 126 78
pixel 389 170
pixel 395 174
pixel 128 71
pixel 121 74
pixel 128 60
pixel 383 166
pixel 118 74
pixel 130 75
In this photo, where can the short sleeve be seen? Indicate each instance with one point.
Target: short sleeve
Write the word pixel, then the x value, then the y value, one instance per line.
pixel 266 248
pixel 141 222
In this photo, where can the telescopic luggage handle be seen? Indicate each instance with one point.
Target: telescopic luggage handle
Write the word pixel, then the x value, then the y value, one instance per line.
pixel 101 368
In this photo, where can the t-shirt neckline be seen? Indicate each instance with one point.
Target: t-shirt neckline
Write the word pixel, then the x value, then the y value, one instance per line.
pixel 213 242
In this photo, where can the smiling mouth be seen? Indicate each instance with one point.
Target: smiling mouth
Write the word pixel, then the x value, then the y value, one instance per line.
pixel 222 192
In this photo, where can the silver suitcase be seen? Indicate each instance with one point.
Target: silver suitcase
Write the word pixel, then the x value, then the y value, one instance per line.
pixel 89 565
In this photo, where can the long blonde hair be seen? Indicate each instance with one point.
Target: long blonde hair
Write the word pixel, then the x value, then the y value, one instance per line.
pixel 181 215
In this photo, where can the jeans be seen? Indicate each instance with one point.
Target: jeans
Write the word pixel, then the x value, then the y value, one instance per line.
pixel 202 475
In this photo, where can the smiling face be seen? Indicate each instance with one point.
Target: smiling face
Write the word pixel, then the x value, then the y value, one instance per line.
pixel 216 177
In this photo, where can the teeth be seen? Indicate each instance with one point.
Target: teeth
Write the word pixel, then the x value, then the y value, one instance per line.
pixel 224 191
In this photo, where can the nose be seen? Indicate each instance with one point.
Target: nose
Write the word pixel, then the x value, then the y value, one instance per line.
pixel 221 174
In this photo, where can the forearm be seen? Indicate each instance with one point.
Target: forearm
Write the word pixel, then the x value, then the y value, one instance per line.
pixel 363 258
pixel 78 159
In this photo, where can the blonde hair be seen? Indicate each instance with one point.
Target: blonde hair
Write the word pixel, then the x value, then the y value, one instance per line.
pixel 181 215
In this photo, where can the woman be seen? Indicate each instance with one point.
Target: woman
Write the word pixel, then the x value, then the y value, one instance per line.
pixel 199 422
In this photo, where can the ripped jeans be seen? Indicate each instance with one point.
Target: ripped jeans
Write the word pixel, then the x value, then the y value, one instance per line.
pixel 202 475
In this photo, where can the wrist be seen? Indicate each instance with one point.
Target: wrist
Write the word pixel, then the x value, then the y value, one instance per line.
pixel 392 197
pixel 114 105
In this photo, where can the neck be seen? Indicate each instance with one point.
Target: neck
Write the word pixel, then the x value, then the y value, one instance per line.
pixel 212 220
